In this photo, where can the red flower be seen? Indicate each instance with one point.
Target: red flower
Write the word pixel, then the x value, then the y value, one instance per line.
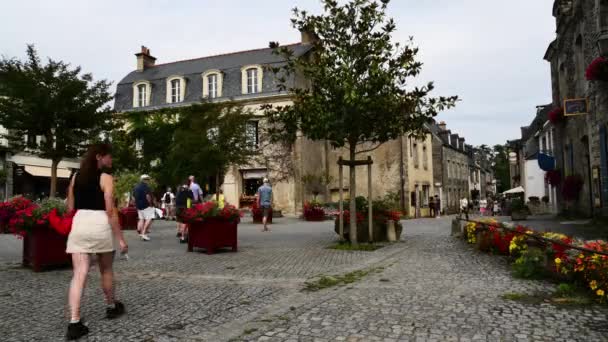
pixel 597 70
pixel 556 115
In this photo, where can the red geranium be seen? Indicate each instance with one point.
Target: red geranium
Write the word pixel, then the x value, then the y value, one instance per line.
pixel 211 209
pixel 61 223
pixel 597 70
pixel 553 177
pixel 556 115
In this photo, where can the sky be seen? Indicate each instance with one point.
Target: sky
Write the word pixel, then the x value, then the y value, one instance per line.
pixel 488 52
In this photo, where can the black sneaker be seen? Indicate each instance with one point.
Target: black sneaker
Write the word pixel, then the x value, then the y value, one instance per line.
pixel 76 331
pixel 115 312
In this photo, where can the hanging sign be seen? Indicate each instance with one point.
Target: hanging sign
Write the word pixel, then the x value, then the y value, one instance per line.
pixel 574 107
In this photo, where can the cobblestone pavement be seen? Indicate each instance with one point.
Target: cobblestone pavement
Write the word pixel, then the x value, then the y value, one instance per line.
pixel 431 287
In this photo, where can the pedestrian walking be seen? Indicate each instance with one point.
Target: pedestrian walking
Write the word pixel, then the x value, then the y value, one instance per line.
pixel 437 206
pixel 496 209
pixel 264 199
pixel 432 207
pixel 95 227
pixel 183 201
pixel 145 207
pixel 464 208
pixel 197 191
pixel 483 204
pixel 168 203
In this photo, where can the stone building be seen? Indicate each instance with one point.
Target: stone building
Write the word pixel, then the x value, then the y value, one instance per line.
pixel 581 141
pixel 450 167
pixel 403 167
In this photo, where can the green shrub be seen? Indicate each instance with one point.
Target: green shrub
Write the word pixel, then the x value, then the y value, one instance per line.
pixel 530 264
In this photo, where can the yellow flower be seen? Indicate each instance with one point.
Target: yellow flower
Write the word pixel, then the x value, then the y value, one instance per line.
pixel 593 285
pixel 600 292
pixel 558 261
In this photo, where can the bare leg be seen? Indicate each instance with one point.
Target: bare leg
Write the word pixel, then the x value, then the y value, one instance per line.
pixel 146 226
pixel 105 261
pixel 80 265
pixel 140 226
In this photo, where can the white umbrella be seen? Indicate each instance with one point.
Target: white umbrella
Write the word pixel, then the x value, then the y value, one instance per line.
pixel 514 191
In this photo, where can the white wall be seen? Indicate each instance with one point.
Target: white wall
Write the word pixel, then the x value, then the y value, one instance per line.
pixel 534 182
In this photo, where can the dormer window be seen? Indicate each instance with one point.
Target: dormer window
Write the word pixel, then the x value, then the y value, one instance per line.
pixel 176 89
pixel 252 81
pixel 252 76
pixel 141 94
pixel 212 84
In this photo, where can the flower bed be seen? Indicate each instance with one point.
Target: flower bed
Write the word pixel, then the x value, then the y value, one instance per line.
pixel 561 259
pixel 313 211
pixel 210 227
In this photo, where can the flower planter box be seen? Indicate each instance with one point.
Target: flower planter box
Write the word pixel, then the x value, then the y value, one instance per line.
pixel 44 247
pixel 519 216
pixel 314 216
pixel 258 215
pixel 483 240
pixel 128 218
pixel 212 234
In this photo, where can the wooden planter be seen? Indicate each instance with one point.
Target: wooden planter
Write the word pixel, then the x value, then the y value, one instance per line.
pixel 128 218
pixel 483 240
pixel 314 216
pixel 212 234
pixel 259 215
pixel 519 215
pixel 44 247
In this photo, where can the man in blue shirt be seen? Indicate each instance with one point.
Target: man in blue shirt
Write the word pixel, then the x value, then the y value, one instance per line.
pixel 145 207
pixel 197 192
pixel 265 202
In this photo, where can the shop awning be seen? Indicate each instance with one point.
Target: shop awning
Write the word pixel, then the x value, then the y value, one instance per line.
pixel 254 174
pixel 41 171
pixel 517 190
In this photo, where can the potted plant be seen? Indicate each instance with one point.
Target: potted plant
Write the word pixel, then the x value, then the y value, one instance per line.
pixel 258 214
pixel 519 211
pixel 210 227
pixel 313 211
pixel 44 228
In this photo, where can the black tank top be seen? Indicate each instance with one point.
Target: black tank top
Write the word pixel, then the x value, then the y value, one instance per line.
pixel 89 196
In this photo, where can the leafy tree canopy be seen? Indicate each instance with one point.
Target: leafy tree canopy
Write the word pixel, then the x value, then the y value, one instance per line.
pixel 55 102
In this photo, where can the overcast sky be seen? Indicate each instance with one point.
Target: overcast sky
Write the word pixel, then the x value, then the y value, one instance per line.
pixel 488 52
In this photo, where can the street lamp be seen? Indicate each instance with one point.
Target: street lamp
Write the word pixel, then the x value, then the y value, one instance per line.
pixel 602 44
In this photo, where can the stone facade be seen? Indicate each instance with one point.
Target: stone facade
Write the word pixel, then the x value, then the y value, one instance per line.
pixel 581 140
pixel 450 167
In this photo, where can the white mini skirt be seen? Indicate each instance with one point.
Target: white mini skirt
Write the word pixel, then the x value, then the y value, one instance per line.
pixel 91 233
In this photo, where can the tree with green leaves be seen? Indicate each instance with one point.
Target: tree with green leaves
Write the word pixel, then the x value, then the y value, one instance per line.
pixel 201 139
pixel 501 168
pixel 358 95
pixel 52 109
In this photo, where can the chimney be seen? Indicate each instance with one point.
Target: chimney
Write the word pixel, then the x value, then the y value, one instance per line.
pixel 461 144
pixel 308 36
pixel 442 126
pixel 144 59
pixel 454 140
pixel 445 136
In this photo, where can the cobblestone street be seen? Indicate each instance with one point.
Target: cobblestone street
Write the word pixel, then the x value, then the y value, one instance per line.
pixel 430 287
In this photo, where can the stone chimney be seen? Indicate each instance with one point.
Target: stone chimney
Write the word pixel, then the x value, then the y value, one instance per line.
pixel 454 140
pixel 461 143
pixel 442 125
pixel 308 36
pixel 144 59
pixel 445 136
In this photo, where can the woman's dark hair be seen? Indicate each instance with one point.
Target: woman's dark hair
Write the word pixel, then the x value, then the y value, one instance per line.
pixel 88 165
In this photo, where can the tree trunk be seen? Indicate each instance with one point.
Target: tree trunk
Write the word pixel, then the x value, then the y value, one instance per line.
pixel 217 186
pixel 54 165
pixel 353 196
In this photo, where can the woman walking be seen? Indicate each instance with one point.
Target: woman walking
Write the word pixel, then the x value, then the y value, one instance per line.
pixel 94 229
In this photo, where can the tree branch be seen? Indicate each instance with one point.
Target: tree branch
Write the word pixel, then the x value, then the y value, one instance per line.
pixel 370 150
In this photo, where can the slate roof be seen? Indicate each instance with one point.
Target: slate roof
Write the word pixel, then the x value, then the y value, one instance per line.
pixel 230 64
